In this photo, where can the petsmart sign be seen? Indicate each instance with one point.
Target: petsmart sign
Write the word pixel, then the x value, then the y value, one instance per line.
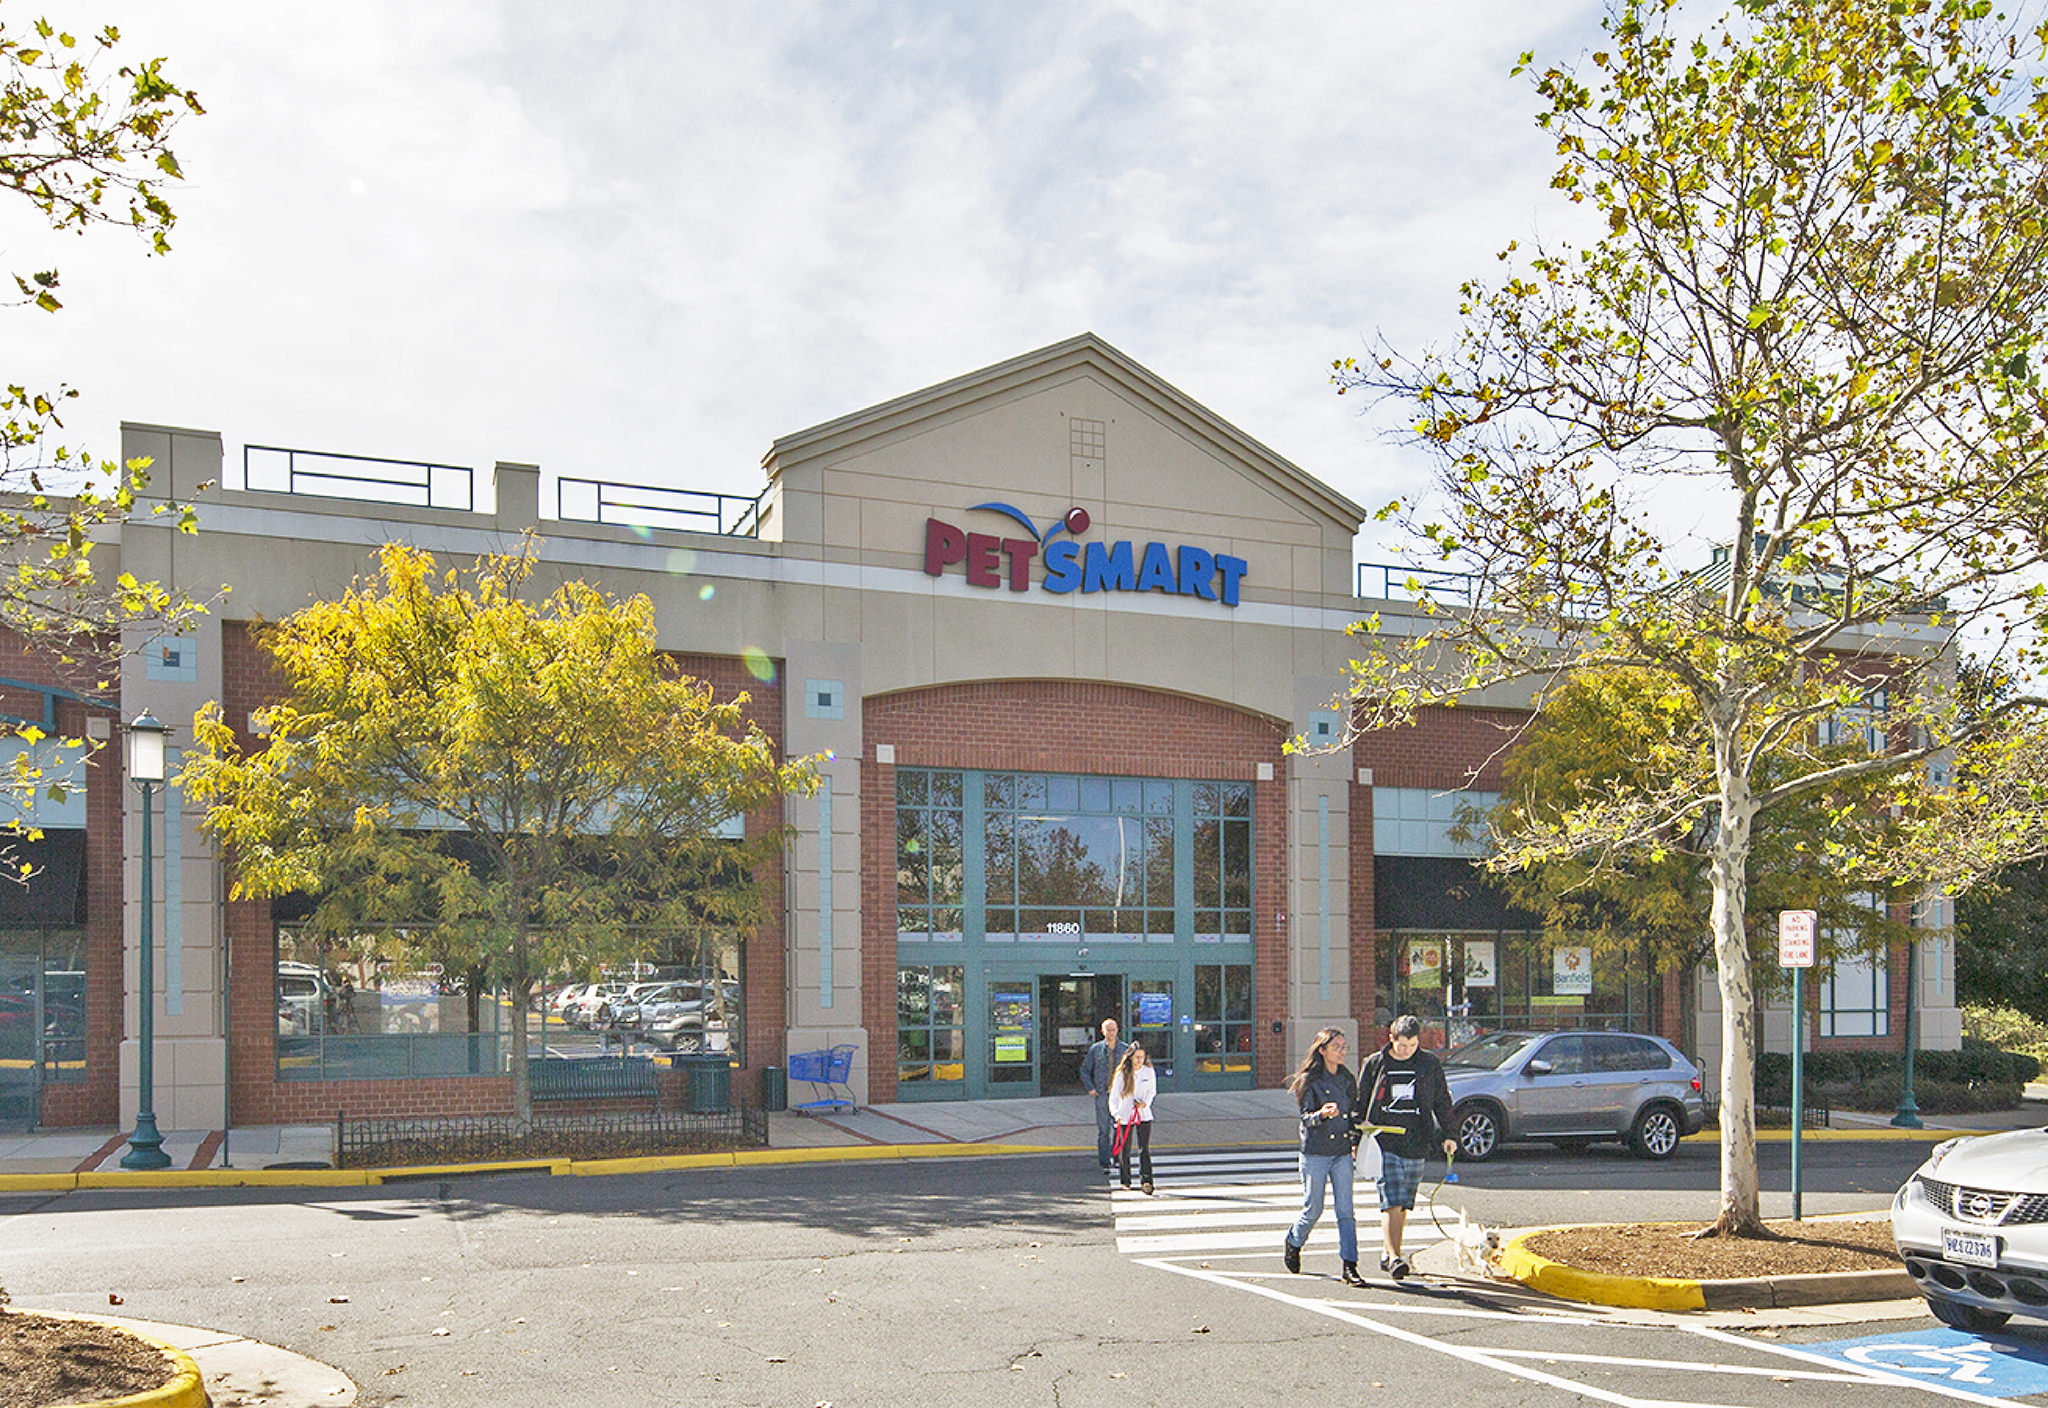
pixel 1069 565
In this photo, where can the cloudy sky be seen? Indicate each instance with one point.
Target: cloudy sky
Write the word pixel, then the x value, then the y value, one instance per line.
pixel 639 241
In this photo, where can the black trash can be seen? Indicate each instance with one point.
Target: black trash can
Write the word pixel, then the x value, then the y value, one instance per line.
pixel 710 1085
pixel 774 1089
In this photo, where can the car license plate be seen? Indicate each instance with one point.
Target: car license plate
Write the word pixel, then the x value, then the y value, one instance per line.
pixel 1969 1248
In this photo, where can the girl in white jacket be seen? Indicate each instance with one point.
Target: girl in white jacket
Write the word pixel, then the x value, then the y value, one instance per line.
pixel 1131 1091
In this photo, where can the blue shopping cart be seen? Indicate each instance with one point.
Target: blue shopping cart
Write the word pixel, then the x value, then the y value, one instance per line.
pixel 828 1069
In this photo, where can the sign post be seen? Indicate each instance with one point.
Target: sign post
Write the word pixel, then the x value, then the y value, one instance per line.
pixel 1795 951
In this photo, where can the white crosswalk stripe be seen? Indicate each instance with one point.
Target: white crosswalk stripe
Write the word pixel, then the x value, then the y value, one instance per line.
pixel 1236 1205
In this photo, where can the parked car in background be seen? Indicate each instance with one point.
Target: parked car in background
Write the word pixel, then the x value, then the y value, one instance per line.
pixel 305 1003
pixel 1971 1225
pixel 623 1011
pixel 688 1016
pixel 1573 1089
pixel 563 998
pixel 593 999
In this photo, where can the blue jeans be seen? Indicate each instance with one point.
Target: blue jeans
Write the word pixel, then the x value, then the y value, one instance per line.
pixel 1104 1126
pixel 1316 1169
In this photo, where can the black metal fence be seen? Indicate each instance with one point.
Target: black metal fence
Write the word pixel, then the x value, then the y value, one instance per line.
pixel 445 1139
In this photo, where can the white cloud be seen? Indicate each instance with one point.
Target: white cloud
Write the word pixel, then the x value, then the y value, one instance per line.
pixel 643 240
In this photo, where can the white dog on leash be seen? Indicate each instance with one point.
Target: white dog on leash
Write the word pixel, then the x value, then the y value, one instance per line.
pixel 1478 1245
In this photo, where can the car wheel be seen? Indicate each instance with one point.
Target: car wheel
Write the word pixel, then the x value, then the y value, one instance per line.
pixel 1478 1126
pixel 1656 1133
pixel 1957 1316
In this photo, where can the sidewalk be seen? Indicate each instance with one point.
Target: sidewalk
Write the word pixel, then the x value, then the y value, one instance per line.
pixel 1211 1119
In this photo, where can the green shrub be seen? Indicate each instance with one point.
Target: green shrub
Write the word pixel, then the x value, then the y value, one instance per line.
pixel 1978 1077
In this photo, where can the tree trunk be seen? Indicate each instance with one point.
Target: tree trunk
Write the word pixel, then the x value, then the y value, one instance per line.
pixel 1741 1202
pixel 522 1077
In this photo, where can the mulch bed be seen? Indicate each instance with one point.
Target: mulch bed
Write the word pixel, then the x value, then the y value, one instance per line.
pixel 46 1361
pixel 1665 1249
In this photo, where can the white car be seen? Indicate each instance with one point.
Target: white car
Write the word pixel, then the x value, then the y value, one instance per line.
pixel 593 1000
pixel 1971 1225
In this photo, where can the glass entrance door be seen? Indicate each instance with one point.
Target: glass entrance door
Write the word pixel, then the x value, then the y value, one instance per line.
pixel 1073 1009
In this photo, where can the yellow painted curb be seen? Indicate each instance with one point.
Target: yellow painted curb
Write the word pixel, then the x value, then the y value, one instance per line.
pixel 397 1173
pixel 225 1178
pixel 184 1389
pixel 1593 1287
pixel 38 1182
pixel 647 1163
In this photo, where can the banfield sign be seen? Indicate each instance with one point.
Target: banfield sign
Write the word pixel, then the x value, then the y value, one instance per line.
pixel 992 560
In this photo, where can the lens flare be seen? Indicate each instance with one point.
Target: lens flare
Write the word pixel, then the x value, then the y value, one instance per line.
pixel 758 664
pixel 706 592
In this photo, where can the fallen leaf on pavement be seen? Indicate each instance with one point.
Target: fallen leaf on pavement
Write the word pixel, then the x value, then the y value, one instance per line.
pixel 440 1329
pixel 113 1299
pixel 337 1300
pixel 1201 1329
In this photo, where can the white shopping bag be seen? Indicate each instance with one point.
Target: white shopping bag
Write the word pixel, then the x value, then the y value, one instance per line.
pixel 1366 1168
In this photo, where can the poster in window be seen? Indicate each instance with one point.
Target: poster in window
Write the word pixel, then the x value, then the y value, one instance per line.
pixel 1155 1009
pixel 1425 964
pixel 1571 972
pixel 1480 970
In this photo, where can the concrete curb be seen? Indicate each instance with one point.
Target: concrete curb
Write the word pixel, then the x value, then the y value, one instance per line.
pixel 184 1388
pixel 1675 1293
pixel 584 1168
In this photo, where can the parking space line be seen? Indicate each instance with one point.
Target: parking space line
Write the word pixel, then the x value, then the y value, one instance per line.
pixel 1421 1341
pixel 1876 1375
pixel 1769 1371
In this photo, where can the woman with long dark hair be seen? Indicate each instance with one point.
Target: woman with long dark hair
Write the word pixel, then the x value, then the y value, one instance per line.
pixel 1131 1091
pixel 1326 1092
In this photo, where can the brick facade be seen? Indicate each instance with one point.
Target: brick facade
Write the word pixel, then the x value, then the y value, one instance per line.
pixel 257 1096
pixel 1067 727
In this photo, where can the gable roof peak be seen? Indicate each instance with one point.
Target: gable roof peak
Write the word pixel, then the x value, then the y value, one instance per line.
pixel 1059 359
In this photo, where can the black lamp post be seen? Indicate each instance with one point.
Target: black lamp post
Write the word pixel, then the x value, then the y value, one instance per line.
pixel 146 771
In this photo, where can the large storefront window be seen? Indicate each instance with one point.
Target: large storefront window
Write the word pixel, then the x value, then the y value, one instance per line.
pixel 928 857
pixel 931 1023
pixel 1033 906
pixel 1083 856
pixel 1465 985
pixel 372 1008
pixel 42 1016
pixel 1223 1017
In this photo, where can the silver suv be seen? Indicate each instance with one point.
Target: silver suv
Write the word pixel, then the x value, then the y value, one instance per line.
pixel 1573 1089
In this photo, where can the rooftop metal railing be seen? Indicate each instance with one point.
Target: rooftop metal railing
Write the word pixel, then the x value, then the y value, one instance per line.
pixel 367 478
pixel 1388 581
pixel 650 506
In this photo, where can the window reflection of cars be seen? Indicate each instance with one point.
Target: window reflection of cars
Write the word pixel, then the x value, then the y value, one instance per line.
pixel 693 1016
pixel 304 1000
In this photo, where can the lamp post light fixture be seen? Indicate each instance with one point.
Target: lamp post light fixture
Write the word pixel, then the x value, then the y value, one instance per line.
pixel 146 771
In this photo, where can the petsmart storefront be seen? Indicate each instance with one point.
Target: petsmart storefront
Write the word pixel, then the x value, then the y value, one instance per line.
pixel 1048 629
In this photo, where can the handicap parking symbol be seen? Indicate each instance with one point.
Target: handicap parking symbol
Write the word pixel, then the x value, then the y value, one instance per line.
pixel 1998 1368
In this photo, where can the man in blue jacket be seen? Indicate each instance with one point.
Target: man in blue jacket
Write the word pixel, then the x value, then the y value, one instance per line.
pixel 1095 1071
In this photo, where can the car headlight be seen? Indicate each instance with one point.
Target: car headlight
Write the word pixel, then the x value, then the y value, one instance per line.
pixel 1937 1154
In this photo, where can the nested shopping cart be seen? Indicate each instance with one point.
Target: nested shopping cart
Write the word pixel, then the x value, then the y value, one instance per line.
pixel 828 1070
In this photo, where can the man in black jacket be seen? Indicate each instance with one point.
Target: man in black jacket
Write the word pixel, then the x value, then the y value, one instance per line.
pixel 1403 1086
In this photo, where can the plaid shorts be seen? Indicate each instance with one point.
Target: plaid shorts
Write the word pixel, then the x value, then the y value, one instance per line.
pixel 1398 1180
